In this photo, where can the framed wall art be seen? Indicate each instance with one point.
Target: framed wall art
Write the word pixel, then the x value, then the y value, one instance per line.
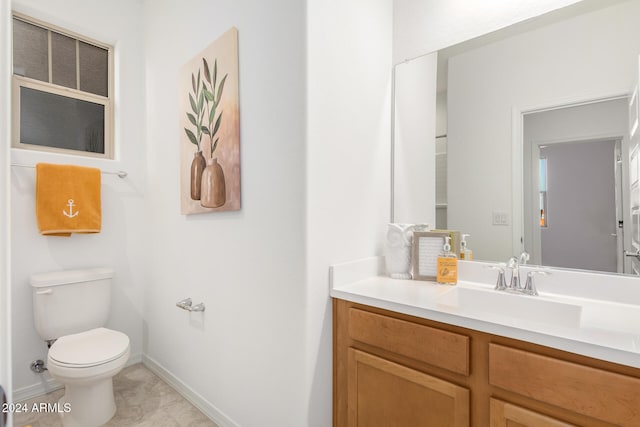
pixel 210 129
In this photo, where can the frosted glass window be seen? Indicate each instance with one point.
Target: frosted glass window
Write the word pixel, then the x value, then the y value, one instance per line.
pixel 63 60
pixel 30 51
pixel 58 121
pixel 60 91
pixel 542 184
pixel 94 66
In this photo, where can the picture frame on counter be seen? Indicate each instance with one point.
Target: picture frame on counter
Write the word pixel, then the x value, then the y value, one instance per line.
pixel 427 245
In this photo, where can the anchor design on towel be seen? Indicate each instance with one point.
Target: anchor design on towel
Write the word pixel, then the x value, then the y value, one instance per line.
pixel 71 213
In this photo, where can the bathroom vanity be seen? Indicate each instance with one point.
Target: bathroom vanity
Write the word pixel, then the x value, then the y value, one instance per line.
pixel 410 353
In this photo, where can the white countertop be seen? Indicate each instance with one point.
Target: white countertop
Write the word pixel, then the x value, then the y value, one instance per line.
pixel 607 329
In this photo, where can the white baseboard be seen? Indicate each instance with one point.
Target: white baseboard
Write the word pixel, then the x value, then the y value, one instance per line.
pixel 133 359
pixel 49 385
pixel 35 390
pixel 188 393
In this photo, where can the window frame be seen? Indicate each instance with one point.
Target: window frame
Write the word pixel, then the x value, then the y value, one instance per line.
pixel 17 82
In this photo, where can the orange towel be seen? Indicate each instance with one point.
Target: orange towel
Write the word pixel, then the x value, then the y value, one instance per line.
pixel 67 199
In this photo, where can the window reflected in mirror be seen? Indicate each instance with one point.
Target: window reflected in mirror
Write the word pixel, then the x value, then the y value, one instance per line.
pixel 542 179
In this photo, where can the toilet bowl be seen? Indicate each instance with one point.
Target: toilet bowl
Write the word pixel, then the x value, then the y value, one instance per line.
pixel 86 363
pixel 70 311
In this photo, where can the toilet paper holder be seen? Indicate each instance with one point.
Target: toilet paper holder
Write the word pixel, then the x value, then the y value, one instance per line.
pixel 187 304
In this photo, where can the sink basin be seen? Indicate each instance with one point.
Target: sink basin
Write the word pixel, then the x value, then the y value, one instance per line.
pixel 509 309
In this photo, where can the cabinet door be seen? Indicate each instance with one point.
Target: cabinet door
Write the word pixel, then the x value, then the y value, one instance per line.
pixel 383 393
pixel 505 414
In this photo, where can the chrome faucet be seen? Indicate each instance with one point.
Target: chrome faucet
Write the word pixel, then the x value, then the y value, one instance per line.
pixel 501 284
pixel 530 287
pixel 515 285
pixel 514 265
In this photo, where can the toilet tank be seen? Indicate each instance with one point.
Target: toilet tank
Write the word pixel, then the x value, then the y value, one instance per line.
pixel 71 301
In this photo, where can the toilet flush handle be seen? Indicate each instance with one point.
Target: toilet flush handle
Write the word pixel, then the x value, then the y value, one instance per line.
pixel 45 292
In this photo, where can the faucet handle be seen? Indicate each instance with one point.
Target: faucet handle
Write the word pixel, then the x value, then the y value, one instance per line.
pixel 530 287
pixel 501 283
pixel 514 265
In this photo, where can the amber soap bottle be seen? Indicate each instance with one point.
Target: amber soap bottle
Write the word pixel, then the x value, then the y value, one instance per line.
pixel 447 268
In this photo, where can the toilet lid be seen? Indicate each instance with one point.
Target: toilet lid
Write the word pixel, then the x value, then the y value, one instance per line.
pixel 90 348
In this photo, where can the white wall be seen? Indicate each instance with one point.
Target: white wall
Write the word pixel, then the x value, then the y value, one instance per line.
pixel 415 142
pixel 245 355
pixel 559 63
pixel 120 244
pixel 5 212
pixel 424 26
pixel 348 158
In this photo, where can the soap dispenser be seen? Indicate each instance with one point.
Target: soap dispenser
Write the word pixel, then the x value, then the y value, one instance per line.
pixel 447 273
pixel 465 252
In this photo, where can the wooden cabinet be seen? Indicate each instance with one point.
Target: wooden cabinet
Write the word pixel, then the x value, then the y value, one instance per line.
pixel 380 377
pixel 383 393
pixel 392 369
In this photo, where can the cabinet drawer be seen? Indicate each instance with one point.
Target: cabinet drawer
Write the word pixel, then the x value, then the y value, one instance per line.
pixel 600 394
pixel 446 350
pixel 505 414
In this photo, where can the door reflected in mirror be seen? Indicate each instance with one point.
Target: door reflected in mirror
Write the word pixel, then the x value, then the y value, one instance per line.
pixel 573 185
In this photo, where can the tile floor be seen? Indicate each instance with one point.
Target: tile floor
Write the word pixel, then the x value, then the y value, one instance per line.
pixel 142 399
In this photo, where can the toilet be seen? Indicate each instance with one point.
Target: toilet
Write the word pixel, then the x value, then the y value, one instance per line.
pixel 70 310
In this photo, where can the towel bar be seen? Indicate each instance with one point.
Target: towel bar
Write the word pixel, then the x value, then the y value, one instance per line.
pixel 120 174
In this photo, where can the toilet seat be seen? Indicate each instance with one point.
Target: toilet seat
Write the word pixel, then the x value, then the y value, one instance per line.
pixel 90 348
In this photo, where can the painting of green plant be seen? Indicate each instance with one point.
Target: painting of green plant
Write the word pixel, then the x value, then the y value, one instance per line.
pixel 209 127
pixel 204 101
pixel 212 97
pixel 196 100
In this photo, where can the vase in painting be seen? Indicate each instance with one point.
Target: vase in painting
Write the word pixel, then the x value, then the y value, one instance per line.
pixel 213 185
pixel 198 165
